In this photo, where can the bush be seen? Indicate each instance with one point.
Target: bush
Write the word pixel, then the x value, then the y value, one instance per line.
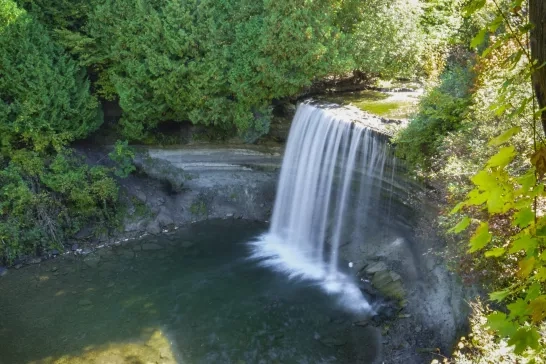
pixel 441 111
pixel 44 200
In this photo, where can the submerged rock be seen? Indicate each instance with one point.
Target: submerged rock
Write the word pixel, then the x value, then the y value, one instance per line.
pixel 3 271
pixel 85 302
pixel 92 260
pixel 187 244
pixel 151 246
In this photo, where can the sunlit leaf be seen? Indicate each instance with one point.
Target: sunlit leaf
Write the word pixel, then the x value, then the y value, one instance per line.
pixel 462 225
pixel 525 242
pixel 499 295
pixel 504 137
pixel 472 6
pixel 457 208
pixel 495 253
pixel 524 217
pixel 528 180
pixel 475 197
pixel 495 202
pixel 484 180
pixel 481 237
pixel 479 38
pixel 503 157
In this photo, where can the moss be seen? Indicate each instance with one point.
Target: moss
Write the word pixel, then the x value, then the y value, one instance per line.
pixel 199 208
pixel 376 103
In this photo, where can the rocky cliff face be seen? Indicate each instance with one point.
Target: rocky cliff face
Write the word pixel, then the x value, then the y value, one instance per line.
pixel 179 186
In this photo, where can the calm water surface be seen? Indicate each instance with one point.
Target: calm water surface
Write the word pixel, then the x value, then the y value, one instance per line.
pixel 188 297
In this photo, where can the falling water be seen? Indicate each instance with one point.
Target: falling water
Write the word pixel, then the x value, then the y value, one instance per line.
pixel 332 170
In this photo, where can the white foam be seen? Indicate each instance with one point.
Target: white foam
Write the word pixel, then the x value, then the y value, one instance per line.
pixel 285 257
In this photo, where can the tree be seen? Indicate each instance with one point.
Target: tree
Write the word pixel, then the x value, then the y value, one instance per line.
pixel 537 17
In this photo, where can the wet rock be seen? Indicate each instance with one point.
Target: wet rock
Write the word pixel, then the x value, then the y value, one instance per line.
pixel 151 246
pixel 140 195
pixel 160 201
pixel 35 260
pixel 229 214
pixel 165 220
pixel 92 260
pixel 54 252
pixel 376 267
pixel 3 271
pixel 85 233
pixel 153 228
pixel 85 251
pixel 75 247
pixel 18 266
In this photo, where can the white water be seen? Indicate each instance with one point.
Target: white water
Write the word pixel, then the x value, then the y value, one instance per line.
pixel 331 169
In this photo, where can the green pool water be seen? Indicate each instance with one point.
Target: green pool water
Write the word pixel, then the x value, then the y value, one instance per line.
pixel 188 297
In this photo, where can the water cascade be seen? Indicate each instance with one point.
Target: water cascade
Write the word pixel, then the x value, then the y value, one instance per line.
pixel 332 173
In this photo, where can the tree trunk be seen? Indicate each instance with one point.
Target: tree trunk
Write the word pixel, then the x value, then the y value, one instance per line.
pixel 537 16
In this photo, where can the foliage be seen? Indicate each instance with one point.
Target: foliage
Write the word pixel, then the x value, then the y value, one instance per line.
pixel 123 156
pixel 44 200
pixel 47 192
pixel 44 97
pixel 481 344
pixel 441 111
pixel 504 206
pixel 222 63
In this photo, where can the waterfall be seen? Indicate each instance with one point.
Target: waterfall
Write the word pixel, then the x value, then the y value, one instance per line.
pixel 332 172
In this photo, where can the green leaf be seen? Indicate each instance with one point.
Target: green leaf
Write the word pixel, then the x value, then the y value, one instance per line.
pixel 524 217
pixel 526 267
pixel 525 242
pixel 495 202
pixel 504 137
pixel 457 208
pixel 524 338
pixel 484 180
pixel 528 180
pixel 500 323
pixel 518 308
pixel 538 309
pixel 479 38
pixel 476 198
pixel 503 157
pixel 462 225
pixel 473 6
pixel 481 237
pixel 533 291
pixel 499 295
pixel 495 253
pixel 541 274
